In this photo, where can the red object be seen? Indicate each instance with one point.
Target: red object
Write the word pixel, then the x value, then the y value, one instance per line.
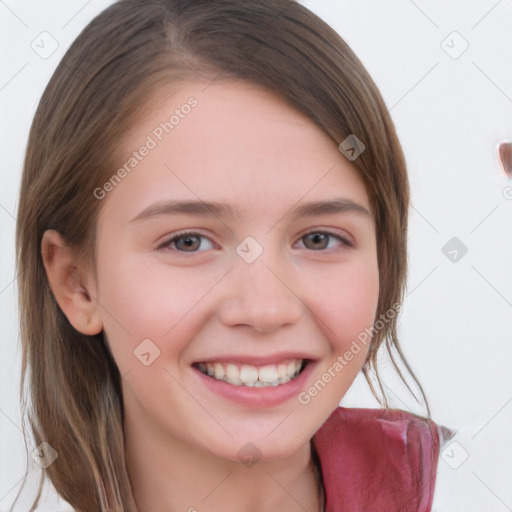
pixel 378 460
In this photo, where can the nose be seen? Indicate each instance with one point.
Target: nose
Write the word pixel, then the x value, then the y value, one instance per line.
pixel 260 297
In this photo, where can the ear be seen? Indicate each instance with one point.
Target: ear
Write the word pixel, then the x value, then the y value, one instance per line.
pixel 72 287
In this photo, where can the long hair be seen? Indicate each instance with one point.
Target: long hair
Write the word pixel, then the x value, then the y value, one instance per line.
pixel 71 392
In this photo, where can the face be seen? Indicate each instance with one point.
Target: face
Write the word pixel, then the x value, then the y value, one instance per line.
pixel 240 243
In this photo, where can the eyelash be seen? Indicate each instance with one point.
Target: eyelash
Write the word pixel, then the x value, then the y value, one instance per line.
pixel 183 234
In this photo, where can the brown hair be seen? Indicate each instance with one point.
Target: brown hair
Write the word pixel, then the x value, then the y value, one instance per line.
pixel 95 95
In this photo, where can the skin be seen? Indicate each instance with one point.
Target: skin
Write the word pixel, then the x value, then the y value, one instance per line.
pixel 244 147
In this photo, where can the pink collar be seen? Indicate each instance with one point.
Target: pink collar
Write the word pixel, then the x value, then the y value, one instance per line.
pixel 378 460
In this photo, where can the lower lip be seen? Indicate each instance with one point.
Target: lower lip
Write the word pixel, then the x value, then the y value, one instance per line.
pixel 261 397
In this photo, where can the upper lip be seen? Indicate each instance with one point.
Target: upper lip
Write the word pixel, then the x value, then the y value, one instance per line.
pixel 257 360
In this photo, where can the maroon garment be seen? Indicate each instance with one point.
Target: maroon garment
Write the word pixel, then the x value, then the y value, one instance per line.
pixel 378 460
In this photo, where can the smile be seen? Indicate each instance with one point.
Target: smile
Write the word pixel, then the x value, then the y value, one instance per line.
pixel 253 376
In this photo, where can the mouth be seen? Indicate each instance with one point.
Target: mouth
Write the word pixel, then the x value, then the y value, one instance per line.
pixel 249 375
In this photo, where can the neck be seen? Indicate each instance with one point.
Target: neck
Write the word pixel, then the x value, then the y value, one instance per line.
pixel 168 474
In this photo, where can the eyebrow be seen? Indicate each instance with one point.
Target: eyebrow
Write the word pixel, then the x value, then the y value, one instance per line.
pixel 226 211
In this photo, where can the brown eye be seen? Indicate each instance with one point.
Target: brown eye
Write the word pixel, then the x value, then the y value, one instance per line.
pixel 316 241
pixel 319 240
pixel 187 242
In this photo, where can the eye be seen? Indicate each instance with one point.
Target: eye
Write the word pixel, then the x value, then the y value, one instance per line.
pixel 187 242
pixel 320 240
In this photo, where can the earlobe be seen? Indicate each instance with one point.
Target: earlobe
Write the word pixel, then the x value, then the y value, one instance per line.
pixel 70 284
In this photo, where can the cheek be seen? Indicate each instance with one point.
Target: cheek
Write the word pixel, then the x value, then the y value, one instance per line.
pixel 345 300
pixel 142 299
pixel 345 304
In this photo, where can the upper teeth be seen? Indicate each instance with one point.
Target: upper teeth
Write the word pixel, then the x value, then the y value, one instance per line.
pixel 249 375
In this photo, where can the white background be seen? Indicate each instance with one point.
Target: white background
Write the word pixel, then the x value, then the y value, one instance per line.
pixel 450 114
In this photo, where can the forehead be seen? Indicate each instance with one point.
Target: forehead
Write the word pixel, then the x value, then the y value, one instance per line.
pixel 234 142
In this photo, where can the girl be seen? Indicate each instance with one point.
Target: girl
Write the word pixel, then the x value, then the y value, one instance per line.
pixel 211 245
